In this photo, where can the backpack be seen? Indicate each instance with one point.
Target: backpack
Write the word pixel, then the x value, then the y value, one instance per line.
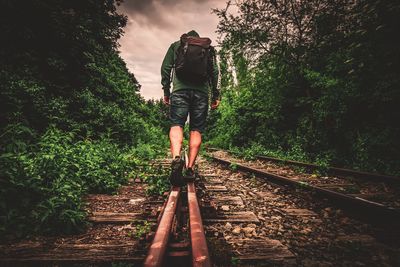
pixel 193 61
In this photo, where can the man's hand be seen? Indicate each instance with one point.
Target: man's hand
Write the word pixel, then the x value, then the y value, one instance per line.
pixel 166 100
pixel 215 104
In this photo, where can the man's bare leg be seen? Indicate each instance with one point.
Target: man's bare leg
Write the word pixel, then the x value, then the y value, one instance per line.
pixel 176 139
pixel 194 147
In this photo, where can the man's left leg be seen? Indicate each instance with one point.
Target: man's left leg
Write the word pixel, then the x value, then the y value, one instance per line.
pixel 198 115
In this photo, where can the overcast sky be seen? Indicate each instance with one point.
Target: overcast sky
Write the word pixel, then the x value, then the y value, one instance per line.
pixel 153 25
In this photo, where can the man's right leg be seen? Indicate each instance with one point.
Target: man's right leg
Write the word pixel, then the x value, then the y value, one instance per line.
pixel 198 115
pixel 194 147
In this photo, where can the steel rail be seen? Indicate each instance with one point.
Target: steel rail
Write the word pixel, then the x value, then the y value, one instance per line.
pixel 333 170
pixel 155 256
pixel 338 171
pixel 369 206
pixel 200 254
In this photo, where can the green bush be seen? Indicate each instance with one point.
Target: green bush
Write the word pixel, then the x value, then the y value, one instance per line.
pixel 157 179
pixel 72 120
pixel 43 185
pixel 328 93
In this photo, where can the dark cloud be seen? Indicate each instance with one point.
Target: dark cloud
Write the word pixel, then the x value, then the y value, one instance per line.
pixel 146 12
pixel 157 13
pixel 148 5
pixel 153 25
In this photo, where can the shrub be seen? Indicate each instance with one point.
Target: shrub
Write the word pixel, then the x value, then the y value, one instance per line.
pixel 43 185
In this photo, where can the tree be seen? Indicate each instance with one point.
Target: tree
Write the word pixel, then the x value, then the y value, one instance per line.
pixel 322 80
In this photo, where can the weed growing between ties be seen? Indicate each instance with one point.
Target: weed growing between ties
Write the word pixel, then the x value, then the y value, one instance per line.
pixel 233 166
pixel 142 228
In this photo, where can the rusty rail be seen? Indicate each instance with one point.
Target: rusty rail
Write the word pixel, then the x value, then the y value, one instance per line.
pixel 156 254
pixel 333 170
pixel 374 210
pixel 200 255
pixel 338 171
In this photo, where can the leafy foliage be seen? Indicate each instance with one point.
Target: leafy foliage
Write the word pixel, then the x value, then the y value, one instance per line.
pixel 315 81
pixel 71 119
pixel 60 66
pixel 157 179
pixel 141 229
pixel 45 182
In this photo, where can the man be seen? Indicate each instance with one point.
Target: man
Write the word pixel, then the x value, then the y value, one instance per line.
pixel 191 65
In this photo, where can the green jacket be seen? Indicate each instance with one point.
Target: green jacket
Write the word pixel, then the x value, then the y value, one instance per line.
pixel 167 69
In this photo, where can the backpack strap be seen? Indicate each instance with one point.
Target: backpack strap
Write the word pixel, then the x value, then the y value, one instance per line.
pixel 184 42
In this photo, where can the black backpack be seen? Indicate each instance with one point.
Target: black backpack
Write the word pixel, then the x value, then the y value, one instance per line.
pixel 194 59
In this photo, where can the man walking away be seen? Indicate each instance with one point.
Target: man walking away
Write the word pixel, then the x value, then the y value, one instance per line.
pixel 191 65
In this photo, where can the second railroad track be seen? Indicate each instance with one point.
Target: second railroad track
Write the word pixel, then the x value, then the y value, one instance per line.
pixel 352 193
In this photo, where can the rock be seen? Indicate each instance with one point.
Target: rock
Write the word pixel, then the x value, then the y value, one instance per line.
pixel 225 207
pixel 261 218
pixel 276 217
pixel 236 230
pixel 252 194
pixel 127 226
pixel 228 226
pixel 228 237
pixel 249 231
pixel 252 225
pixel 306 231
pixel 135 201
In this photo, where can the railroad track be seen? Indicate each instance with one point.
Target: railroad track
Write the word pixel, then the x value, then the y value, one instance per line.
pixel 331 170
pixel 170 249
pixel 243 222
pixel 180 238
pixel 344 192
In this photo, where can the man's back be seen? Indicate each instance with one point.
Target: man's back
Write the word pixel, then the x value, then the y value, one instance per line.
pixel 168 72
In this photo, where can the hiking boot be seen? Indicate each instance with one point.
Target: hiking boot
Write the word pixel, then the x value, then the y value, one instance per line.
pixel 175 177
pixel 190 175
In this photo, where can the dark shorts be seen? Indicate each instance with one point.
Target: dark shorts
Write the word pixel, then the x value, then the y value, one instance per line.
pixel 192 102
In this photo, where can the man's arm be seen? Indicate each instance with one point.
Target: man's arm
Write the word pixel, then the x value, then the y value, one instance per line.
pixel 166 69
pixel 216 81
